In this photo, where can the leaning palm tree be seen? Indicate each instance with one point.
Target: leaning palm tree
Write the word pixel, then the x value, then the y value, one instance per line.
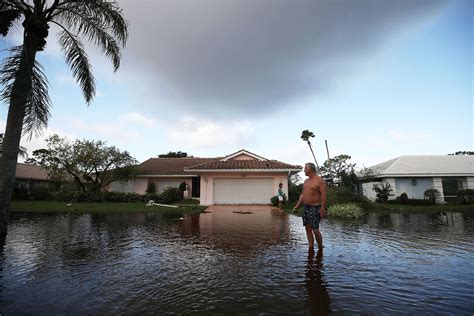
pixel 305 135
pixel 25 87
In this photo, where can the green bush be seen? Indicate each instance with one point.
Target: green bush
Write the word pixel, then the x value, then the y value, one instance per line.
pixel 348 210
pixel 40 193
pixel 294 192
pixel 432 195
pixel 410 202
pixel 151 188
pixel 182 186
pixel 171 195
pixel 341 195
pixel 274 200
pixel 465 196
pixel 20 194
pixel 383 192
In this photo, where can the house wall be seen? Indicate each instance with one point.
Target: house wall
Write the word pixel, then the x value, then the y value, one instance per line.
pixel 438 185
pixel 243 157
pixel 468 183
pixel 207 182
pixel 367 189
pixel 413 187
pixel 140 185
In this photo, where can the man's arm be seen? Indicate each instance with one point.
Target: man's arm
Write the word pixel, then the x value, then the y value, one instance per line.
pixel 298 203
pixel 322 189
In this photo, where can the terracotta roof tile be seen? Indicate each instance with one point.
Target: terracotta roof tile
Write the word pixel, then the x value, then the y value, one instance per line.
pixel 244 164
pixel 25 171
pixel 170 166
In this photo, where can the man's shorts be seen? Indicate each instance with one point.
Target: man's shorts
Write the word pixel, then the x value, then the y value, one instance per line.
pixel 311 215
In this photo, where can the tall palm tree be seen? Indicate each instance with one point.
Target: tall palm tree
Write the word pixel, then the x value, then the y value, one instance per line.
pixel 25 87
pixel 306 135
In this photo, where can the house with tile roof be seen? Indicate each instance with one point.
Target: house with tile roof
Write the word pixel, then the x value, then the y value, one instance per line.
pixel 239 178
pixel 413 175
pixel 30 176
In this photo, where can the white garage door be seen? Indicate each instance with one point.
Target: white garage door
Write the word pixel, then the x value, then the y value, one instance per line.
pixel 243 191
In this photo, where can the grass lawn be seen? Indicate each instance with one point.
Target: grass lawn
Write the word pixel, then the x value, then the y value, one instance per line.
pixel 62 207
pixel 429 208
pixel 374 207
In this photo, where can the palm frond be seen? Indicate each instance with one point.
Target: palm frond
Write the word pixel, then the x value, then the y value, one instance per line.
pixel 106 11
pixel 77 60
pixel 94 29
pixel 35 89
pixel 8 15
pixel 37 108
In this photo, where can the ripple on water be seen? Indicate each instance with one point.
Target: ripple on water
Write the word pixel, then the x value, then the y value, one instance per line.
pixel 234 263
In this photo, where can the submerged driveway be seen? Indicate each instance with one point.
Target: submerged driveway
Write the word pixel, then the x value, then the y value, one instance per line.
pixel 241 208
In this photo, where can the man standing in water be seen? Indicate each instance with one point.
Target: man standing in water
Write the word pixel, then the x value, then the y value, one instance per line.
pixel 313 197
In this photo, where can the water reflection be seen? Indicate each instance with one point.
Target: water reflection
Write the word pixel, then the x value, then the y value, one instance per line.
pixel 254 261
pixel 247 231
pixel 318 299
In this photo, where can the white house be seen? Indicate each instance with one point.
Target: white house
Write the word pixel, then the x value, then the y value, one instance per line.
pixel 413 175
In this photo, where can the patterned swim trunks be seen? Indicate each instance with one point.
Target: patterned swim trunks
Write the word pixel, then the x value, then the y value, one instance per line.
pixel 311 215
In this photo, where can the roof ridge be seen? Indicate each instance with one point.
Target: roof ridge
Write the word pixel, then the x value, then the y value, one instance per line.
pixel 392 164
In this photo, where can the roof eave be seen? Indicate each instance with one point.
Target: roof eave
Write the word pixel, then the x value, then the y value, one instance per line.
pixel 243 170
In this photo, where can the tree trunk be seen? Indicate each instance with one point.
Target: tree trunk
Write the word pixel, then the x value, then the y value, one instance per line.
pixel 13 131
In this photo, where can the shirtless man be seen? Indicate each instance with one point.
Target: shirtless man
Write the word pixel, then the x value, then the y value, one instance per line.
pixel 313 197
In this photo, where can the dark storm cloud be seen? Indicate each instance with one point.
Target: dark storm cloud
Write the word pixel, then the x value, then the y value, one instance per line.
pixel 256 55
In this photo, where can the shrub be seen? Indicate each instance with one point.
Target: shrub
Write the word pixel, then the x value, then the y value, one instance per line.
pixel 403 197
pixel 341 195
pixel 383 192
pixel 465 196
pixel 274 200
pixel 432 195
pixel 171 195
pixel 348 210
pixel 20 194
pixel 151 188
pixel 294 192
pixel 410 202
pixel 40 193
pixel 183 186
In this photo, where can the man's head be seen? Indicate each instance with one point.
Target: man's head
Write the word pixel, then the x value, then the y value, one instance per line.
pixel 281 185
pixel 309 168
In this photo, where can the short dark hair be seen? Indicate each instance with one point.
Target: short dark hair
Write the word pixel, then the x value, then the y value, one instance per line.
pixel 311 166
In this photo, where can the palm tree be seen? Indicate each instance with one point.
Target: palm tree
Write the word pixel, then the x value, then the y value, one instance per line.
pixel 305 135
pixel 25 87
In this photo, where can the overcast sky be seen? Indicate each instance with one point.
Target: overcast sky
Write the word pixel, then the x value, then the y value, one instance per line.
pixel 376 79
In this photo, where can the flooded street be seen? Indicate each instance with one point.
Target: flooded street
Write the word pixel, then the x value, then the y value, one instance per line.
pixel 236 261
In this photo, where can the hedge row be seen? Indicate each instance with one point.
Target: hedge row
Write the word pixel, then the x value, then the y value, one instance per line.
pixel 170 195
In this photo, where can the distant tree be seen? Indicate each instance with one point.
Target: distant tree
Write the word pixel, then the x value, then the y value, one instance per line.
pixel 338 165
pixel 306 135
pixel 295 186
pixel 367 173
pixel 174 154
pixel 91 164
pixel 462 153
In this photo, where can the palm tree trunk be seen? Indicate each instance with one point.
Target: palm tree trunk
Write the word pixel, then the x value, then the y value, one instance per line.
pixel 13 131
pixel 311 148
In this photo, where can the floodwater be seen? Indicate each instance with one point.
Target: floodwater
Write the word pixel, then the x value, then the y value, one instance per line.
pixel 222 262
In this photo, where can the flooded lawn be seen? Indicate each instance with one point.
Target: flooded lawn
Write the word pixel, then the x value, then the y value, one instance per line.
pixel 227 262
